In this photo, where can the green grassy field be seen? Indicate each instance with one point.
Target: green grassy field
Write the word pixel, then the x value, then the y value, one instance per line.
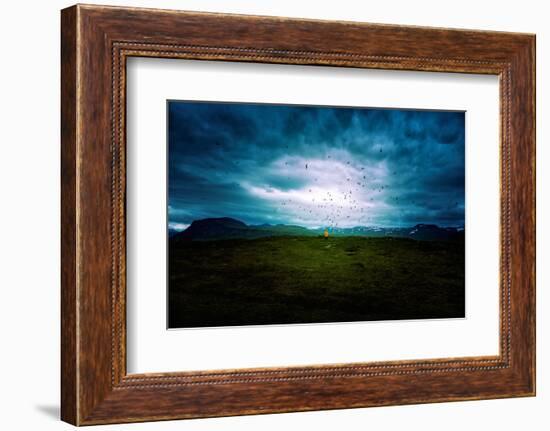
pixel 280 280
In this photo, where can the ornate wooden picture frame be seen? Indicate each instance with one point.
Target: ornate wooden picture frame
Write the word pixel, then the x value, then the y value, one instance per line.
pixel 96 41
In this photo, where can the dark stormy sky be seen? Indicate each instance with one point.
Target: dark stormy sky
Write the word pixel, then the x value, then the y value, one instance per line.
pixel 314 166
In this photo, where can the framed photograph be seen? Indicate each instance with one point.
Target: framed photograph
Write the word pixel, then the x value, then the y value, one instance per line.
pixel 264 215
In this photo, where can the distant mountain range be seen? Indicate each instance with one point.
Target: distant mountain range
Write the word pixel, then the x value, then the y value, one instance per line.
pixel 210 229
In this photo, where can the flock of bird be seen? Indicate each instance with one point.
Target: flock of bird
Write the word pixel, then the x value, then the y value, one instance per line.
pixel 351 200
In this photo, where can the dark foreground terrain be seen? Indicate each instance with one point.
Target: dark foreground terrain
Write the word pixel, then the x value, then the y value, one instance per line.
pixel 301 279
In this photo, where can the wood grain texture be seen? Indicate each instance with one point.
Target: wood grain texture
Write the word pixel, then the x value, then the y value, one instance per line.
pixel 69 366
pixel 96 41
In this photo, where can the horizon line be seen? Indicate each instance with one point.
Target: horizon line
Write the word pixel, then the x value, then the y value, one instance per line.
pixel 183 226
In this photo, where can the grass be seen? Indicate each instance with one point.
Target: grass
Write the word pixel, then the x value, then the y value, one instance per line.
pixel 282 280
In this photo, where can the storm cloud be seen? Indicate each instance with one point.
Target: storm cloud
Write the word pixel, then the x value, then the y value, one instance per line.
pixel 314 166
